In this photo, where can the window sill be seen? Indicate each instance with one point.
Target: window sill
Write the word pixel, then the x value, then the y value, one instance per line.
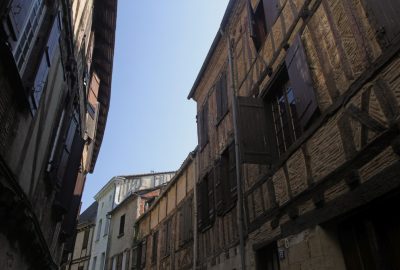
pixel 120 235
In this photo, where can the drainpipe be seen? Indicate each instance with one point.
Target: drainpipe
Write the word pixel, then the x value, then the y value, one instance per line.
pixel 240 214
pixel 196 171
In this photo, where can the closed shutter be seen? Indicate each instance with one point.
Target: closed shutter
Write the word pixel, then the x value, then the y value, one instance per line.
pixel 256 144
pixel 181 226
pixel 143 253
pixel 387 18
pixel 301 81
pixel 271 10
pixel 219 187
pixel 232 172
pixel 221 96
pixel 210 187
pixel 136 254
pixel 200 205
pixel 203 124
pixel 189 218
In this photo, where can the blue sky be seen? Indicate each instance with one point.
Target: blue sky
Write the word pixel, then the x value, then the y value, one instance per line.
pixel 160 47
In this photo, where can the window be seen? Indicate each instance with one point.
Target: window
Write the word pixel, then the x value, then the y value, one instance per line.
pixel 85 239
pixel 205 202
pixel 292 99
pixel 225 181
pixel 99 230
pixel 119 259
pixel 269 127
pixel 267 258
pixel 154 248
pixel 186 222
pixel 262 19
pixel 45 63
pixel 103 258
pixel 221 93
pixel 94 263
pixel 142 253
pixel 284 112
pixel 203 126
pixel 167 232
pixel 106 227
pixel 121 225
pixel 258 27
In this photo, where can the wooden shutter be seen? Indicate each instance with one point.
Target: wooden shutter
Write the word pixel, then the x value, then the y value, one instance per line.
pixel 40 80
pixel 221 96
pixel 200 205
pixel 386 14
pixel 204 126
pixel 136 255
pixel 219 187
pixel 71 172
pixel 189 218
pixel 17 16
pixel 143 253
pixel 254 126
pixel 154 247
pixel 181 226
pixel 210 193
pixel 52 41
pixel 301 81
pixel 271 10
pixel 232 172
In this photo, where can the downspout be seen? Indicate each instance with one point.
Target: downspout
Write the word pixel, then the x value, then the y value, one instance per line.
pixel 196 171
pixel 240 220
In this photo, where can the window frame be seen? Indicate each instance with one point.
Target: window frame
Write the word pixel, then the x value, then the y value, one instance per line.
pixel 121 230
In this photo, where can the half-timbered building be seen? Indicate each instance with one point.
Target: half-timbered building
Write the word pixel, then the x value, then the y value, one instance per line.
pixel 298 124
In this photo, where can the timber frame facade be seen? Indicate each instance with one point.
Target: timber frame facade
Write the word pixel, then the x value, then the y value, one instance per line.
pixel 164 236
pixel 298 123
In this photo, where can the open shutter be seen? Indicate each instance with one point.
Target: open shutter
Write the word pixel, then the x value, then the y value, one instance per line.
pixel 54 36
pixel 253 124
pixel 72 170
pixel 203 126
pixel 386 15
pixel 40 80
pixel 301 81
pixel 45 62
pixel 271 10
pixel 17 16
